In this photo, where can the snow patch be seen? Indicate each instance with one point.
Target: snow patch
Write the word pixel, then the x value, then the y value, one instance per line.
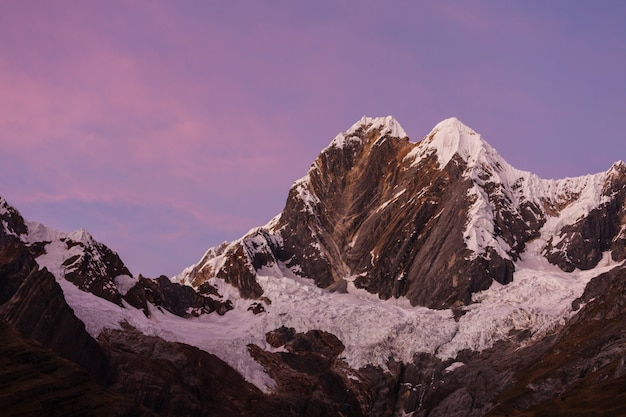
pixel 454 366
pixel 124 283
pixel 390 201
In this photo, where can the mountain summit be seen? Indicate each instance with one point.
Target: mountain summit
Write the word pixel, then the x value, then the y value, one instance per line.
pixel 451 137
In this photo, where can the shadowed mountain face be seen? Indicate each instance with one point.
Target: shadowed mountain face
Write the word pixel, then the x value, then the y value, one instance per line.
pixel 308 315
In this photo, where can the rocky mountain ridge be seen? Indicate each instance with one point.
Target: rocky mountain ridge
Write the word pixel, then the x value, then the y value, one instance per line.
pixel 448 203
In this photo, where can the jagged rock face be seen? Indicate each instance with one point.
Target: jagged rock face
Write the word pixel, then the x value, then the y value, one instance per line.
pixel 392 224
pixel 178 299
pixel 16 261
pixel 93 269
pixel 235 263
pixel 12 221
pixel 581 244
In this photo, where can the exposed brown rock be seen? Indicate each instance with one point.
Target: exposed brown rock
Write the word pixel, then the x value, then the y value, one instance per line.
pixel 394 226
pixel 174 379
pixel 94 270
pixel 36 382
pixel 180 300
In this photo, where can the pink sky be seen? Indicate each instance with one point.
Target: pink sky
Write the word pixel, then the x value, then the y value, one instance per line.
pixel 166 127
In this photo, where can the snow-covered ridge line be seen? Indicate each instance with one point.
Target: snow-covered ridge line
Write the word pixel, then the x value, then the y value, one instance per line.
pixel 563 201
pixel 38 232
pixel 388 126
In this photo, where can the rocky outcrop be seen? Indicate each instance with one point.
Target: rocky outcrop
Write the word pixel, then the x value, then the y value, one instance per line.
pixel 16 261
pixel 581 244
pixel 180 300
pixel 12 222
pixel 93 269
pixel 310 377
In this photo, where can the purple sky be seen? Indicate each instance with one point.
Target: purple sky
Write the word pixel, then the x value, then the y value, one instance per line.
pixel 167 127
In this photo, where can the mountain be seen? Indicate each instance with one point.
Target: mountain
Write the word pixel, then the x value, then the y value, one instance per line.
pixel 401 278
pixel 435 221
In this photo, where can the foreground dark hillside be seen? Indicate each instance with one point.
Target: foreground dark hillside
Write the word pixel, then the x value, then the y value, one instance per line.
pixel 37 382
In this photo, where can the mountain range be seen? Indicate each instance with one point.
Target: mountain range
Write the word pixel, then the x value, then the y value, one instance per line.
pixel 402 278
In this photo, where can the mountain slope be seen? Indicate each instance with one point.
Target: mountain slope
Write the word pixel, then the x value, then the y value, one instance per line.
pixel 43 384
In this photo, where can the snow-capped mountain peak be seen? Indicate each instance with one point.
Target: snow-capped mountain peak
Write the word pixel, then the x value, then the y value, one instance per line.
pixel 451 137
pixel 386 126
